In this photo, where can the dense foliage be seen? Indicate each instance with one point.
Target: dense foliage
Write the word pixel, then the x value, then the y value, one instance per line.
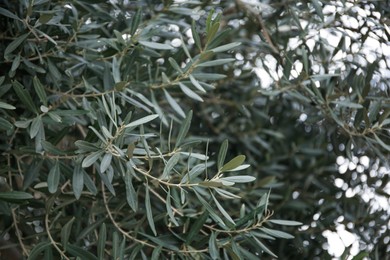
pixel 194 129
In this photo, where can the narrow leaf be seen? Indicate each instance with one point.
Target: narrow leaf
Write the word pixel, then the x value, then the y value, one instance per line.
pixel 7 13
pixel 14 196
pixel 195 35
pixel 169 209
pixel 54 178
pixel 37 249
pixel 216 62
pixel 222 154
pixel 6 106
pixel 66 231
pixel 91 158
pixel 141 121
pixel 155 45
pixel 196 227
pixel 131 195
pixel 191 94
pixel 175 65
pixel 285 222
pixel 276 233
pixel 197 84
pixel 213 248
pixel 210 209
pixel 184 129
pixel 226 47
pixel 263 247
pixel 14 44
pixel 176 107
pixel 233 163
pixel 223 211
pixel 24 96
pixel 239 179
pixel 381 143
pixel 169 166
pixel 101 244
pixel 106 162
pixel 77 181
pixel 149 213
pixel 40 90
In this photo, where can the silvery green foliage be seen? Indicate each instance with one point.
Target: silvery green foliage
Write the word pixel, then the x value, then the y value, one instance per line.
pixel 98 102
pixel 194 129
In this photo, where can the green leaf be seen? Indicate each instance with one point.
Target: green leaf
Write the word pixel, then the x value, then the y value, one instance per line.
pixel 106 162
pixel 5 125
pixel 51 149
pixel 381 143
pixel 263 247
pixel 135 21
pixel 175 65
pixel 208 76
pixel 141 121
pixel 7 13
pixel 88 229
pixel 15 65
pixel 197 84
pixel 6 106
pixel 131 195
pixel 318 9
pixel 222 154
pixel 285 222
pixel 91 158
pixel 89 183
pixel 24 96
pixel 213 248
pixel 239 179
pixel 212 32
pixel 169 209
pixel 349 104
pixel 77 181
pixel 191 94
pixel 226 47
pixel 15 196
pixel 223 211
pixel 54 177
pixel 40 90
pixel 176 107
pixel 14 44
pixel 36 124
pixel 210 209
pixel 36 251
pixel 80 252
pixel 276 233
pixel 66 231
pixel 233 163
pixel 101 244
pixel 195 35
pixel 155 45
pixel 193 173
pixel 116 70
pixel 156 253
pixel 161 241
pixel 169 166
pixel 226 194
pixel 250 216
pixel 184 129
pixel 216 62
pixel 149 213
pixel 196 227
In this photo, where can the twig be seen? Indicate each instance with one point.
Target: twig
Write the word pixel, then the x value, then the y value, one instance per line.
pixel 52 241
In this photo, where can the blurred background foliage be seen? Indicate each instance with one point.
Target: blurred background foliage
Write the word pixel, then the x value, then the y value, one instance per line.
pixel 115 116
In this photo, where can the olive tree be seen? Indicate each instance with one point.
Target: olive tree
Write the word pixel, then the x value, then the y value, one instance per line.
pixel 193 129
